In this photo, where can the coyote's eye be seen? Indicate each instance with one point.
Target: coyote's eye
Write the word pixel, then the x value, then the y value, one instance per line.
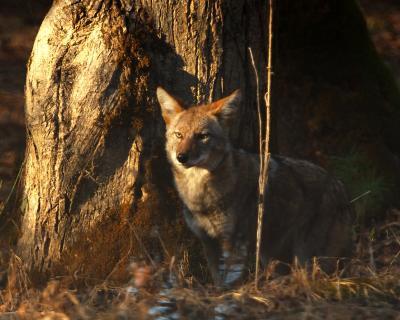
pixel 178 135
pixel 203 136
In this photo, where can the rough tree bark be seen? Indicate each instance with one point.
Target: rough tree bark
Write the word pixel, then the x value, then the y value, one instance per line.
pixel 96 178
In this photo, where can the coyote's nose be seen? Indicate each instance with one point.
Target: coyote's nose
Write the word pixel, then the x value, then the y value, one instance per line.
pixel 182 157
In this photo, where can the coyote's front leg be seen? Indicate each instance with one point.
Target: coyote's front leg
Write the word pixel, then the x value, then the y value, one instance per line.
pixel 212 252
pixel 227 265
pixel 232 263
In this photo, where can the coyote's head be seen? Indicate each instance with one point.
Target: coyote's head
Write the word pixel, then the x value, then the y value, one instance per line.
pixel 197 136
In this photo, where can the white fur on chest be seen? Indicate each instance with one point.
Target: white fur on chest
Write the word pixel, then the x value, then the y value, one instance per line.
pixel 197 196
pixel 192 185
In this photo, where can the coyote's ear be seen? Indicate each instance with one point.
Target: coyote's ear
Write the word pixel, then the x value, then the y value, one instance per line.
pixel 226 108
pixel 170 107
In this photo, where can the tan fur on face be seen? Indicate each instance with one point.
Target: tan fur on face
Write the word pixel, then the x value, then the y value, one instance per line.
pixel 170 107
pixel 226 107
pixel 210 119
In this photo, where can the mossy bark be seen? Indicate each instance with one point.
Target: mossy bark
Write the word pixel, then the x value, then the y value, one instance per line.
pixel 96 177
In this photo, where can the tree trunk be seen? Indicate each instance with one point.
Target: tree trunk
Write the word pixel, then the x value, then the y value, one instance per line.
pixel 96 177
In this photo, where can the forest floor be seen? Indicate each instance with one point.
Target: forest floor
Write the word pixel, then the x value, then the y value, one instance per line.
pixel 367 288
pixel 370 289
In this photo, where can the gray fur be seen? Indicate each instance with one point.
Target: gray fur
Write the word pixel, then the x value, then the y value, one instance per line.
pixel 307 211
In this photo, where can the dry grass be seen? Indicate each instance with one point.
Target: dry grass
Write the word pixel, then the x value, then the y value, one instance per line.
pixel 367 288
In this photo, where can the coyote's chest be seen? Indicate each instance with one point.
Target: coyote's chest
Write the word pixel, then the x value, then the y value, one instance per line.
pixel 208 210
pixel 195 189
pixel 215 224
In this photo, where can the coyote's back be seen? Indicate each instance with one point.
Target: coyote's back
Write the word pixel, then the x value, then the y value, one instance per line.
pixel 307 212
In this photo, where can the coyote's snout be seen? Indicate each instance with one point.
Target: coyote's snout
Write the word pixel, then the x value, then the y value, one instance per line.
pixel 307 212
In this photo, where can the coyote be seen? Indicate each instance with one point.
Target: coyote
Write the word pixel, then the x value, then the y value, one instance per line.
pixel 307 212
